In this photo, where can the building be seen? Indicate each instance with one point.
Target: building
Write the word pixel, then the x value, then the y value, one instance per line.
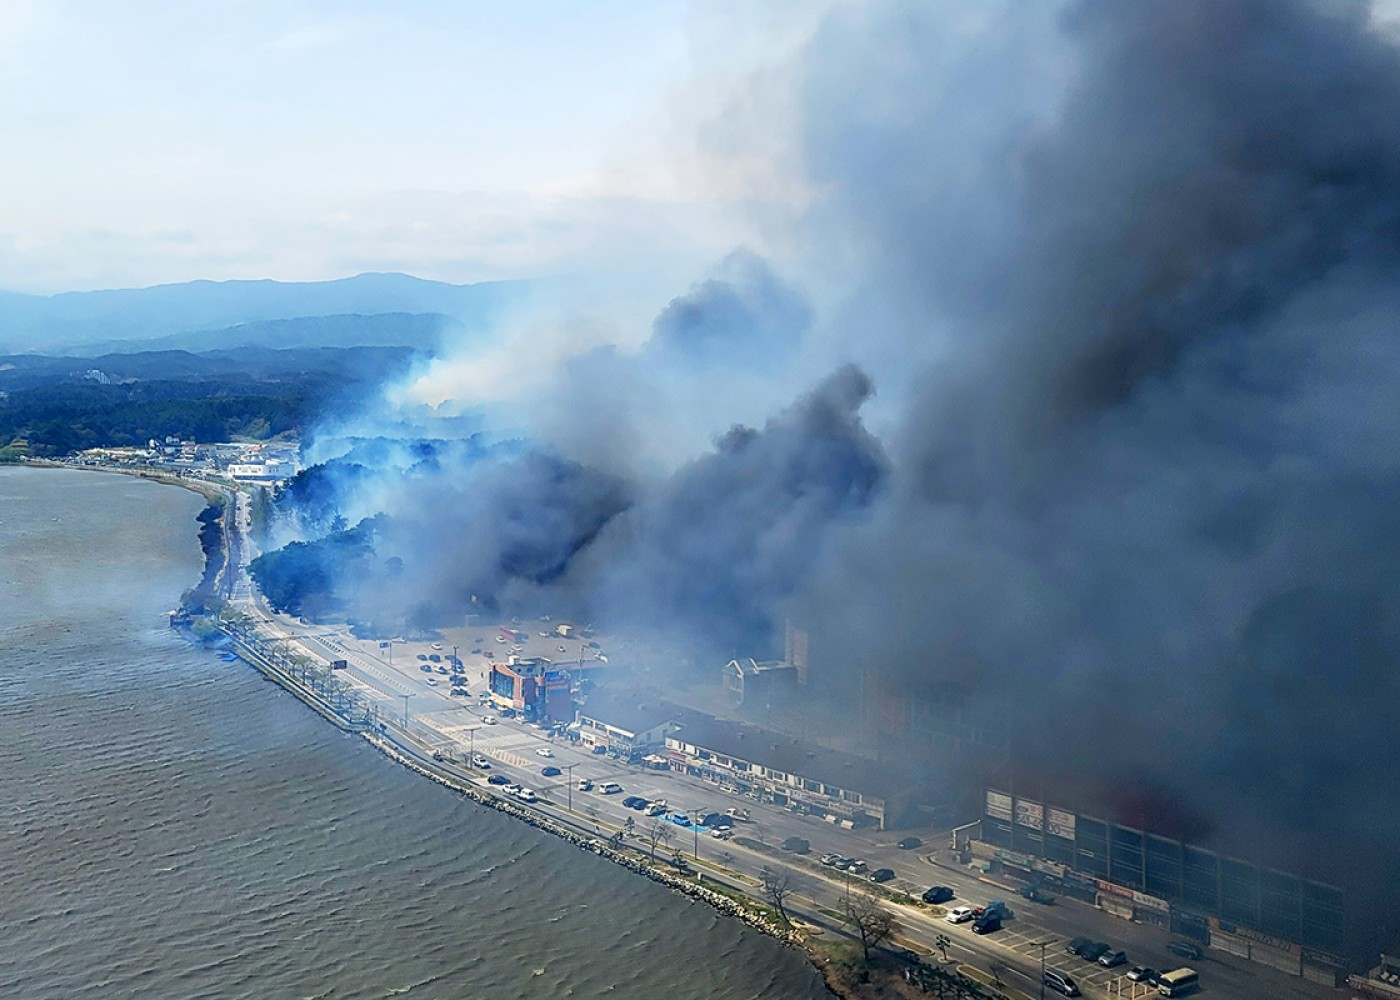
pixel 1381 983
pixel 534 686
pixel 757 683
pixel 628 721
pixel 1272 917
pixel 843 788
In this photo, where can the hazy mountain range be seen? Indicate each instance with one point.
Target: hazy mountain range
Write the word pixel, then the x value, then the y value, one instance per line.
pixel 366 310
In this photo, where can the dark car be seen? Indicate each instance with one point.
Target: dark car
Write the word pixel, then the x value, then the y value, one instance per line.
pixel 1074 944
pixel 498 779
pixel 1036 894
pixel 937 894
pixel 987 923
pixel 882 875
pixel 1142 974
pixel 797 845
pixel 909 843
pixel 1185 949
pixel 1060 983
pixel 426 669
pixel 634 802
pixel 551 771
pixel 598 748
pixel 1093 951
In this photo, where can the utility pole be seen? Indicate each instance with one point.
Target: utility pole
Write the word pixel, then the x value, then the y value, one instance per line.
pixel 569 769
pixel 405 714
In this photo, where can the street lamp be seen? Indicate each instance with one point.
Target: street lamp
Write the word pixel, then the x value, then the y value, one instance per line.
pixel 1041 945
pixel 570 769
pixel 405 713
pixel 471 744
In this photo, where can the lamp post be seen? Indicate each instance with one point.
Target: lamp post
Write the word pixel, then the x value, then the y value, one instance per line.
pixel 471 744
pixel 569 769
pixel 405 713
pixel 1041 945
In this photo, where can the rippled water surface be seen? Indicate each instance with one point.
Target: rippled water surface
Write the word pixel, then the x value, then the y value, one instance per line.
pixel 175 826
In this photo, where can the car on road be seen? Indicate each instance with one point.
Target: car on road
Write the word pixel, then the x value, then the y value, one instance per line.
pixel 544 752
pixel 498 779
pixel 460 692
pixel 1185 949
pixel 1037 895
pixel 1143 974
pixel 735 813
pixel 585 785
pixel 479 760
pixel 882 875
pixel 511 788
pixel 959 915
pixel 909 843
pixel 610 788
pixel 987 923
pixel 490 720
pixel 432 682
pixel 1113 957
pixel 526 795
pixel 722 832
pixel 550 771
pixel 937 894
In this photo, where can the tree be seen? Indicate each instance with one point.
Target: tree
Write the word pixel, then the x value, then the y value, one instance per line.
pixel 871 923
pixel 777 886
pixel 660 832
pixel 630 826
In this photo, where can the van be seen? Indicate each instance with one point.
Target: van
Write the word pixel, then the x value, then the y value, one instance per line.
pixel 1060 983
pixel 610 788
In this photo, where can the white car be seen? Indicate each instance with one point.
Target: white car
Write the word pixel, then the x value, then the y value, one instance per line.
pixel 500 638
pixel 479 760
pixel 437 645
pixel 657 808
pixel 525 795
pixel 959 915
pixel 490 720
pixel 544 752
pixel 432 682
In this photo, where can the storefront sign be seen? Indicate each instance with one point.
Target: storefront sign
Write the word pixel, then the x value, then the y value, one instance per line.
pixel 998 805
pixel 1029 814
pixel 1059 823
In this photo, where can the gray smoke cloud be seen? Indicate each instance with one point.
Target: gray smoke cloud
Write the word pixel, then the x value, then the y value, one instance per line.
pixel 1132 270
pixel 1143 508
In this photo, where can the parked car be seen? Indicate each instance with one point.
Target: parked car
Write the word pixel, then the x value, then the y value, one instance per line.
pixel 426 668
pixel 479 760
pixel 1113 957
pixel 722 832
pixel 1185 949
pixel 490 720
pixel 498 779
pixel 544 752
pixel 460 692
pixel 959 915
pixel 599 748
pixel 910 843
pixel 1092 951
pixel 657 808
pixel 1060 983
pixel 742 815
pixel 987 923
pixel 432 682
pixel 937 894
pixel 1142 974
pixel 681 819
pixel 856 867
pixel 882 875
pixel 830 859
pixel 1074 944
pixel 550 771
pixel 797 845
pixel 610 788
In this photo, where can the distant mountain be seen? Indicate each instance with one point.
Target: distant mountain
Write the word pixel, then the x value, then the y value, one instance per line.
pixel 57 323
pixel 420 331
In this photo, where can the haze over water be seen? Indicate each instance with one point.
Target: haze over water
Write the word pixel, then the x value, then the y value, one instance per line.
pixel 174 826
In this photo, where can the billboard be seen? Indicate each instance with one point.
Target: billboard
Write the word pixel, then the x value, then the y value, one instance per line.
pixel 1030 814
pixel 1059 823
pixel 998 805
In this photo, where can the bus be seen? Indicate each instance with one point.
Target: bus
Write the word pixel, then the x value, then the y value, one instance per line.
pixel 1178 983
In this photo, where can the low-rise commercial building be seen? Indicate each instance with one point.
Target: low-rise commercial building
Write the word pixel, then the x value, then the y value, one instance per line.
pixel 534 686
pixel 841 787
pixel 628 721
pixel 754 682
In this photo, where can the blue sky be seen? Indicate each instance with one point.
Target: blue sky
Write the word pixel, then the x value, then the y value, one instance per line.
pixel 152 142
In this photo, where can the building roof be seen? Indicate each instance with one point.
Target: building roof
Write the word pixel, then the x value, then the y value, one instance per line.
pixel 792 756
pixel 634 711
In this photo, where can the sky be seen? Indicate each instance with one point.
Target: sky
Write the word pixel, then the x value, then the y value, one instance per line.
pixel 157 142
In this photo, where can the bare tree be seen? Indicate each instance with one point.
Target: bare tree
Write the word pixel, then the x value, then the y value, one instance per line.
pixel 942 942
pixel 870 921
pixel 660 832
pixel 777 886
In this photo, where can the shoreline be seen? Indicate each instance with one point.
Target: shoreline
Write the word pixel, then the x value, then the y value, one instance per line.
pixel 743 908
